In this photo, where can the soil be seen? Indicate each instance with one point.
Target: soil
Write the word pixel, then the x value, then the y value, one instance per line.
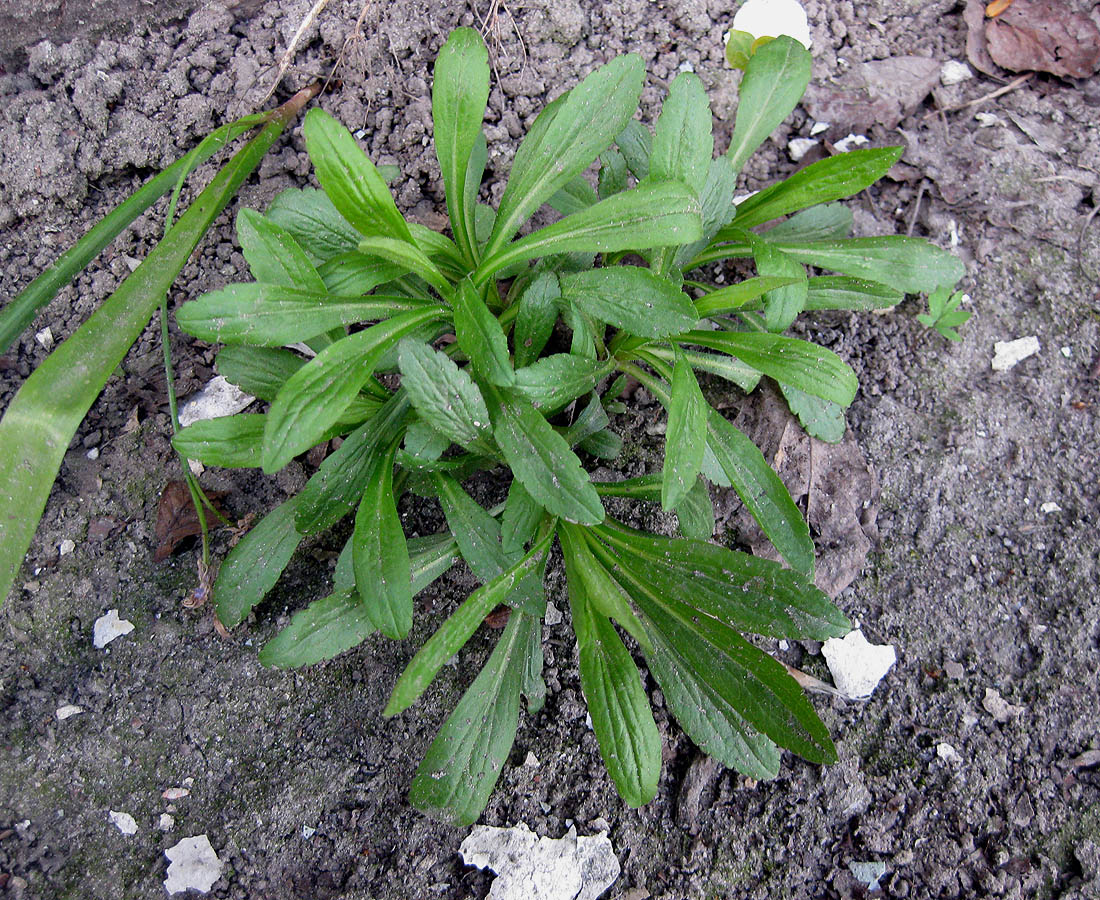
pixel 987 591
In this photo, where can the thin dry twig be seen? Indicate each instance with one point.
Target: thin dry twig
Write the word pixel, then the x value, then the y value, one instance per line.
pixel 292 47
pixel 992 95
pixel 489 24
pixel 355 37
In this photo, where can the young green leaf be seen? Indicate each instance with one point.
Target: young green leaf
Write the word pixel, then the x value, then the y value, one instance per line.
pixel 538 311
pixel 576 195
pixel 745 377
pixel 829 221
pixel 612 175
pixel 324 629
pixel 314 222
pixel 683 144
pixel 453 634
pixel 445 395
pixel 255 564
pixel 318 393
pixel 481 337
pixel 695 513
pixel 636 144
pixel 270 315
pixel 533 684
pixel 351 180
pixel 463 763
pixel 559 379
pixel 833 178
pixel 799 363
pixel 353 274
pixel 380 555
pixel 650 215
pixel 423 442
pixel 408 256
pixel 632 298
pixel 231 442
pixel 843 292
pixel 763 493
pixel 716 202
pixel 430 557
pixel 583 126
pixel 944 314
pixel 781 305
pixel 775 80
pixel 822 419
pixel 273 255
pixel 460 90
pixel 476 532
pixel 520 520
pixel 259 371
pixel 542 460
pixel 685 437
pixel 740 295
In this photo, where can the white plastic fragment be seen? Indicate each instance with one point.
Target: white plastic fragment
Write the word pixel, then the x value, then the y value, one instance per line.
pixel 955 72
pixel 308 831
pixel 948 753
pixel 108 627
pixel 124 822
pixel 772 18
pixel 216 399
pixel 868 873
pixel 66 547
pixel 1050 507
pixel 45 338
pixel 799 147
pixel 1007 353
pixel 856 665
pixel 193 866
pixel 851 142
pixel 68 711
pixel 532 868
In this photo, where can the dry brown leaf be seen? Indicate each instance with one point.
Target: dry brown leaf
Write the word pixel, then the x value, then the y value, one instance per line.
pixel 1045 36
pixel 176 518
pixel 976 50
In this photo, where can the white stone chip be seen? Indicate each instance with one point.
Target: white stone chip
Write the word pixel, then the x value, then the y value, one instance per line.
pixel 124 822
pixel 851 142
pixel 66 547
pixel 819 127
pixel 68 711
pixel 108 627
pixel 955 72
pixel 45 338
pixel 1007 353
pixel 856 665
pixel 948 753
pixel 1067 352
pixel 799 147
pixel 532 868
pixel 1050 507
pixel 218 398
pixel 987 119
pixel 166 822
pixel 553 615
pixel 868 873
pixel 531 761
pixel 999 708
pixel 194 866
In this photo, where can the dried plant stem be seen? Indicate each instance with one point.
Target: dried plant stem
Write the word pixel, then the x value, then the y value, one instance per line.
pixel 288 55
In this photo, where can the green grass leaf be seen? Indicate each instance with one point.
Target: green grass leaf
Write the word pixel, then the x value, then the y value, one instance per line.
pixel 380 555
pixel 324 629
pixel 231 442
pixel 685 437
pixel 460 90
pixel 632 298
pixel 775 80
pixel 481 337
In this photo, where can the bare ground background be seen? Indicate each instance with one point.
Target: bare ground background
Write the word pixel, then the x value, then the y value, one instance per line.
pixel 978 588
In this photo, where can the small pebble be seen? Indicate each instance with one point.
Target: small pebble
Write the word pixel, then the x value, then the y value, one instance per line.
pixel 955 72
pixel 124 822
pixel 68 711
pixel 66 547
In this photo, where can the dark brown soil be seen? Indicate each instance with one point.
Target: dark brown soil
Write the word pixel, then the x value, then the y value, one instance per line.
pixel 295 776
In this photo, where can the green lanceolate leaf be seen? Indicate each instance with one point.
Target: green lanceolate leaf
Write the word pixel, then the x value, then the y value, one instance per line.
pixel 350 179
pixel 745 592
pixel 453 634
pixel 520 520
pixel 621 717
pixel 231 442
pixel 481 337
pixel 538 311
pixel 803 365
pixel 683 144
pixel 650 215
pixel 745 377
pixel 270 315
pixel 631 298
pixel 44 414
pixel 317 394
pixel 423 442
pixel 695 513
pixel 822 419
pixel 775 80
pixel 612 175
pixel 686 436
pixel 763 493
pixel 476 532
pixel 541 459
pixel 829 221
pixel 430 557
pixel 740 295
pixel 460 90
pixel 314 222
pixel 716 201
pixel 559 379
pixel 380 555
pixel 781 305
pixel 324 629
pixel 463 763
pixel 576 195
pixel 444 395
pixel 353 274
pixel 334 489
pixel 583 125
pixel 829 179
pixel 259 371
pixel 533 684
pixel 255 564
pixel 843 292
pixel 274 256
pixel 636 144
pixel 408 256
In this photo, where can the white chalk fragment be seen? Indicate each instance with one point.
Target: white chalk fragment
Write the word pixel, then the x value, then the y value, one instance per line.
pixel 1050 507
pixel 93 454
pixel 948 753
pixel 531 761
pixel 1067 352
pixel 955 72
pixel 308 831
pixel 66 547
pixel 68 711
pixel 1007 353
pixel 851 142
pixel 108 627
pixel 532 868
pixel 799 147
pixel 685 66
pixel 856 665
pixel 124 822
pixel 998 707
pixel 987 119
pixel 868 873
pixel 553 615
pixel 45 338
pixel 216 399
pixel 166 822
pixel 819 127
pixel 193 866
